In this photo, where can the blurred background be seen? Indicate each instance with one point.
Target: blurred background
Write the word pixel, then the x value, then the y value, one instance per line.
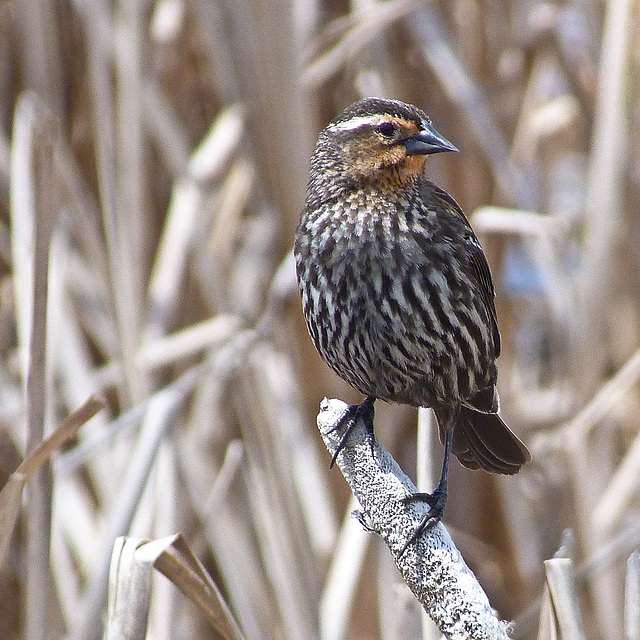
pixel 153 161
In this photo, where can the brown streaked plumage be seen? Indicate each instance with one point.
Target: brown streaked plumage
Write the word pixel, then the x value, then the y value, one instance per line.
pixel 395 286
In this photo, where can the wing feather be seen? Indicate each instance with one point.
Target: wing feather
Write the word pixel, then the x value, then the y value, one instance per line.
pixel 477 259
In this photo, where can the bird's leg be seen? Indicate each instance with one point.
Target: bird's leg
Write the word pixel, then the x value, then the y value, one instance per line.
pixel 349 419
pixel 436 500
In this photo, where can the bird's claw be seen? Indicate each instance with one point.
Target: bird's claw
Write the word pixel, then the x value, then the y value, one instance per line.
pixel 350 418
pixel 436 501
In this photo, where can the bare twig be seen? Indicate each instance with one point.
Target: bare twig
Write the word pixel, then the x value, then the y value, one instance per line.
pixel 432 567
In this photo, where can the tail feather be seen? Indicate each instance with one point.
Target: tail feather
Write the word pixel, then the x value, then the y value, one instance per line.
pixel 461 450
pixel 483 440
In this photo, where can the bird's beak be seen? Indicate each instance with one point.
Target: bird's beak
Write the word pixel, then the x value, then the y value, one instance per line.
pixel 427 141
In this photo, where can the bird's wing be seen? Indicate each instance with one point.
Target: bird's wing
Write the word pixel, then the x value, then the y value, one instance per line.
pixel 483 275
pixel 477 259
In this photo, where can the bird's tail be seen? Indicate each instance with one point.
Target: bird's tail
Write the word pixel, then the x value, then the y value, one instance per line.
pixel 483 440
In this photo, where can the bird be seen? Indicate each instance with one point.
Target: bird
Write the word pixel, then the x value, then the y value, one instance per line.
pixel 396 289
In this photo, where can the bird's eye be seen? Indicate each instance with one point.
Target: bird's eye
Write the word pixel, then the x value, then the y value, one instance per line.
pixel 386 129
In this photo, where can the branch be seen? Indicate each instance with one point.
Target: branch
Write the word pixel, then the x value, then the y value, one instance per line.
pixel 432 567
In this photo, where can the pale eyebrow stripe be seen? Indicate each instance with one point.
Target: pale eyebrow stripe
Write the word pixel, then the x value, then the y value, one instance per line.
pixel 356 123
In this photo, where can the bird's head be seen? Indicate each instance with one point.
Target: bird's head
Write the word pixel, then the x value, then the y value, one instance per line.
pixel 379 141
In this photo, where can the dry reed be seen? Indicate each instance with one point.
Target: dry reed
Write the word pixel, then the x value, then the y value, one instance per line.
pixel 153 158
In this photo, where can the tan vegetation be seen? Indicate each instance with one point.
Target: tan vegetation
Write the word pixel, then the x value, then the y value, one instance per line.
pixel 153 159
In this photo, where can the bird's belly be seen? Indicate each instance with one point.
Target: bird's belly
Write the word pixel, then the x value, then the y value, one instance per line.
pixel 406 362
pixel 405 339
pixel 398 324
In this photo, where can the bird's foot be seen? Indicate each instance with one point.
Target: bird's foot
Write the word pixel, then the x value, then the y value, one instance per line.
pixel 348 421
pixel 436 501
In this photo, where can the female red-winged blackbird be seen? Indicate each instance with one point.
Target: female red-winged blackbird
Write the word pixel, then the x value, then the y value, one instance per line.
pixel 396 289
